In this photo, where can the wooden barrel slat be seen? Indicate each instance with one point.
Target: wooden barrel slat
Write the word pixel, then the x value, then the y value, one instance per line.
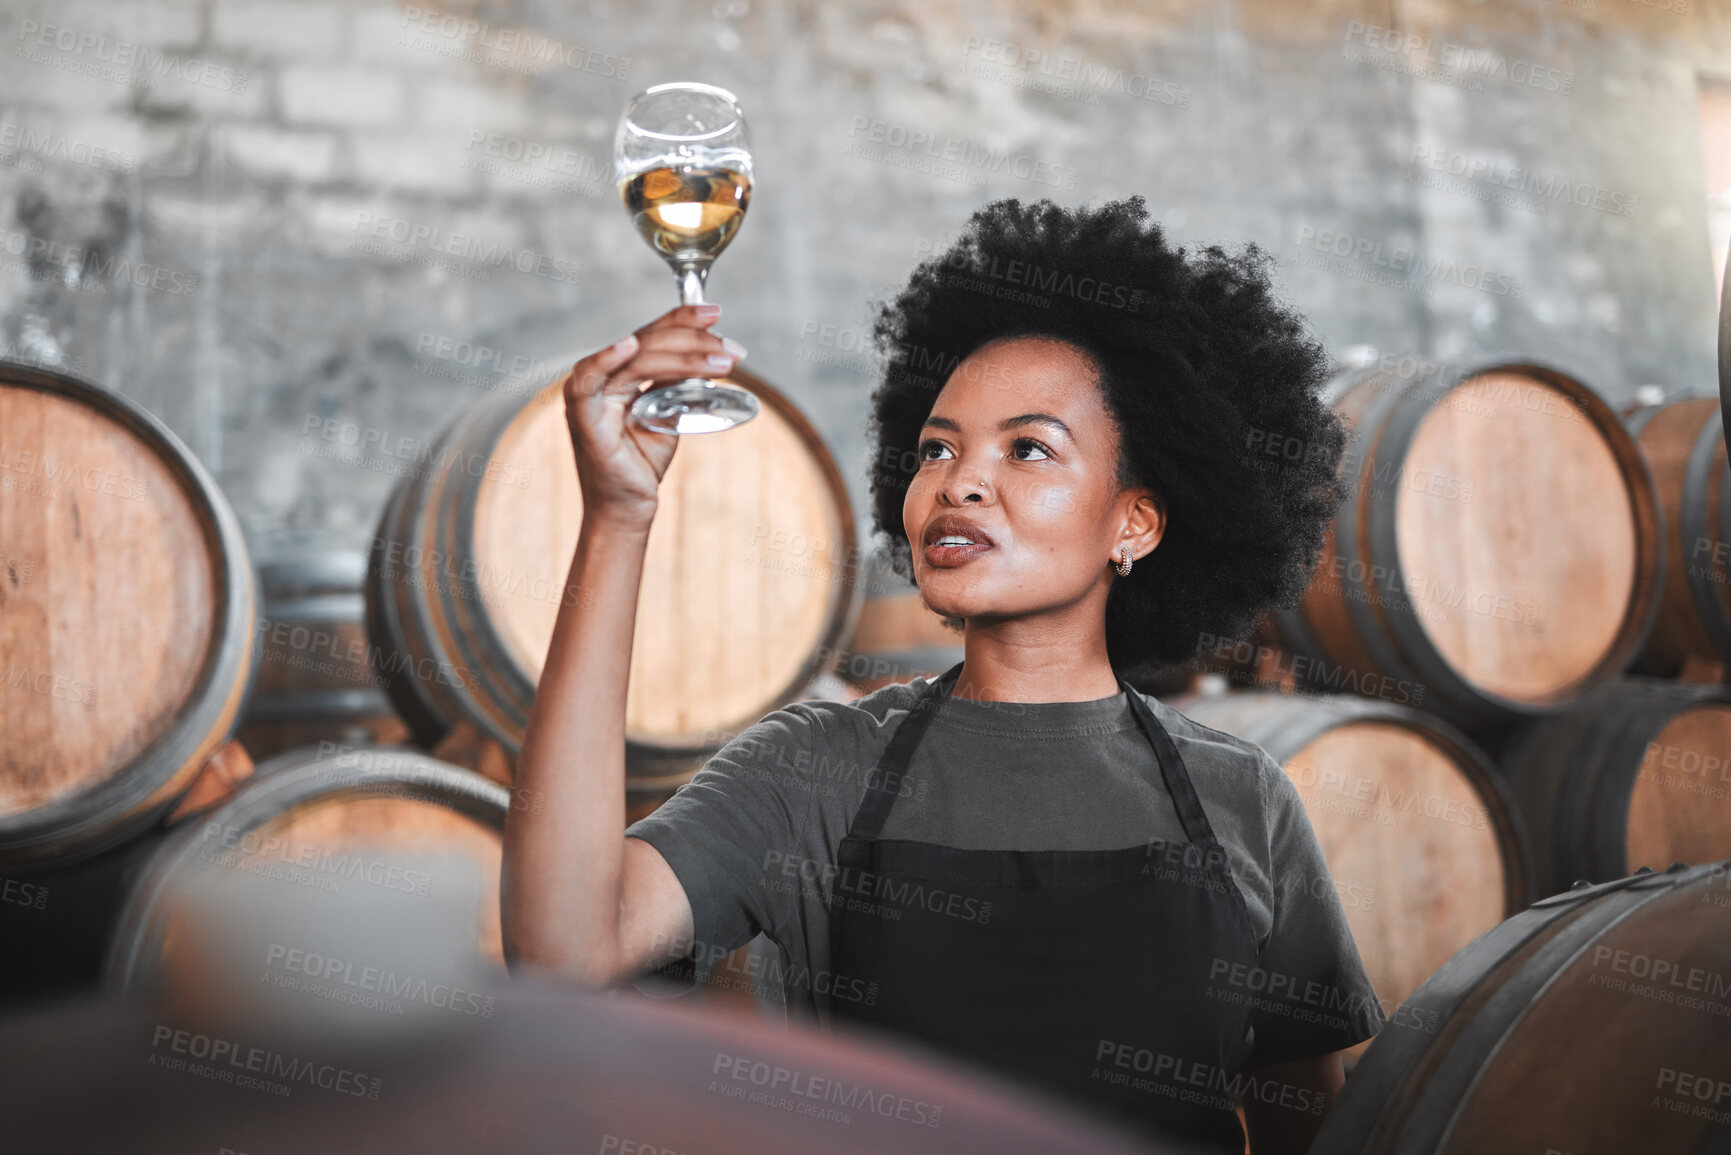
pixel 1423 844
pixel 1638 773
pixel 1498 545
pixel 126 618
pixel 748 588
pixel 1552 1032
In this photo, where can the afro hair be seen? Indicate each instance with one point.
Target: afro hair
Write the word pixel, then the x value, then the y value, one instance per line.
pixel 1210 380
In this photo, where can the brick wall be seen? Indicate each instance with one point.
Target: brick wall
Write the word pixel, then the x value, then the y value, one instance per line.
pixel 266 220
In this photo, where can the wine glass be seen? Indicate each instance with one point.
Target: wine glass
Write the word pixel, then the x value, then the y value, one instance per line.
pixel 684 171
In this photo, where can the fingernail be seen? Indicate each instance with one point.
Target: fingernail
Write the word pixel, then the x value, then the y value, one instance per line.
pixel 708 310
pixel 627 345
pixel 733 346
pixel 721 360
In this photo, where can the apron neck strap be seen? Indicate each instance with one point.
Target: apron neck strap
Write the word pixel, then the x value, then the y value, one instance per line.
pixel 1178 784
pixel 882 788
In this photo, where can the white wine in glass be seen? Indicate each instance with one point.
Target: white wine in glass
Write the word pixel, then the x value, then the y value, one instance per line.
pixel 684 171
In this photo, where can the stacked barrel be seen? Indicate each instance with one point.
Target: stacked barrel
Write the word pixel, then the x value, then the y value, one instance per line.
pixel 1506 679
pixel 1630 774
pixel 1506 674
pixel 1425 848
pixel 748 588
pixel 147 665
pixel 1498 550
pixel 127 609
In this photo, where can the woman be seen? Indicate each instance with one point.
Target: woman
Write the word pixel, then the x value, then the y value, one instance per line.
pixel 1025 862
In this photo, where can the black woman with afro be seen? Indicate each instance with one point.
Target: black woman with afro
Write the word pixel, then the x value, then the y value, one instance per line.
pixel 1026 863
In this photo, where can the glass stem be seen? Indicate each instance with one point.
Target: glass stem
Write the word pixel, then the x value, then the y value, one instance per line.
pixel 691 279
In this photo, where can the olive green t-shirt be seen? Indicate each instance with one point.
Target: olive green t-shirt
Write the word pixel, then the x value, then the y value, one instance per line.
pixel 753 838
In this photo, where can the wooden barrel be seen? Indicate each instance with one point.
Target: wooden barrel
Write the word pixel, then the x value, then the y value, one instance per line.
pixel 385 824
pixel 316 682
pixel 1499 545
pixel 747 591
pixel 1684 442
pixel 1424 845
pixel 1638 773
pixel 332 821
pixel 127 602
pixel 1595 1021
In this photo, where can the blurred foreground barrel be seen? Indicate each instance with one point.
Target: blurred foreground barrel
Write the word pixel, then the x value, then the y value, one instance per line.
pixel 383 823
pixel 552 1068
pixel 1593 1022
pixel 1423 843
pixel 1684 442
pixel 747 591
pixel 1638 773
pixel 315 680
pixel 418 837
pixel 1499 546
pixel 127 603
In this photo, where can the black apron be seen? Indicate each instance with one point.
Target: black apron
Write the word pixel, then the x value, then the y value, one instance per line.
pixel 1085 973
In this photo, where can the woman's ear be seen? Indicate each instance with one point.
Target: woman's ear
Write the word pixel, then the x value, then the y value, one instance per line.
pixel 1146 523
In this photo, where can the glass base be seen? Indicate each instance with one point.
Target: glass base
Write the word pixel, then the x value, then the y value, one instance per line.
pixel 694 406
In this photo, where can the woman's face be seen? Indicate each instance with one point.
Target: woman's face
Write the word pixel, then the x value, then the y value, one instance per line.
pixel 1019 443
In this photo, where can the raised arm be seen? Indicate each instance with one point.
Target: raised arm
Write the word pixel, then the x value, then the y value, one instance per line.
pixel 576 895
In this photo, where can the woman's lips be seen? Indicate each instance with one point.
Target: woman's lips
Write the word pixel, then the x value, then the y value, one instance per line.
pixel 945 556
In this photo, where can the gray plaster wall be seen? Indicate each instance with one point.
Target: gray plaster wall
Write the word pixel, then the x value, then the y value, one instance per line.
pixel 191 191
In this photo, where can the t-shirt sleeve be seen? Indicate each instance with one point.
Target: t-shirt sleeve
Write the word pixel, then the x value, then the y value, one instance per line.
pixel 717 830
pixel 1315 997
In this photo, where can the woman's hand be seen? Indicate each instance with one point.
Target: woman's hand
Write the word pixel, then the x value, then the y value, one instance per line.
pixel 620 464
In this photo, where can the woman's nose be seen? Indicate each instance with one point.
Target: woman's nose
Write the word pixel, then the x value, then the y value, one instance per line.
pixel 965 483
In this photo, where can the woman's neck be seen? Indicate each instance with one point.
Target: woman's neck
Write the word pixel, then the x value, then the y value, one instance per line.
pixel 996 671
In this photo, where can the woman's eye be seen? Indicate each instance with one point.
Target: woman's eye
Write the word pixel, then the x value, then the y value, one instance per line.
pixel 1030 443
pixel 927 447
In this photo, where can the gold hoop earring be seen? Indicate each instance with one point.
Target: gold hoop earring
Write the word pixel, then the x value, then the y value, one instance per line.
pixel 1123 567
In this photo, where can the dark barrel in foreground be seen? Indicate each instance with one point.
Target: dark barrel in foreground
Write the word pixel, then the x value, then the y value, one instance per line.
pixel 1595 1021
pixel 364 1017
pixel 552 1069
